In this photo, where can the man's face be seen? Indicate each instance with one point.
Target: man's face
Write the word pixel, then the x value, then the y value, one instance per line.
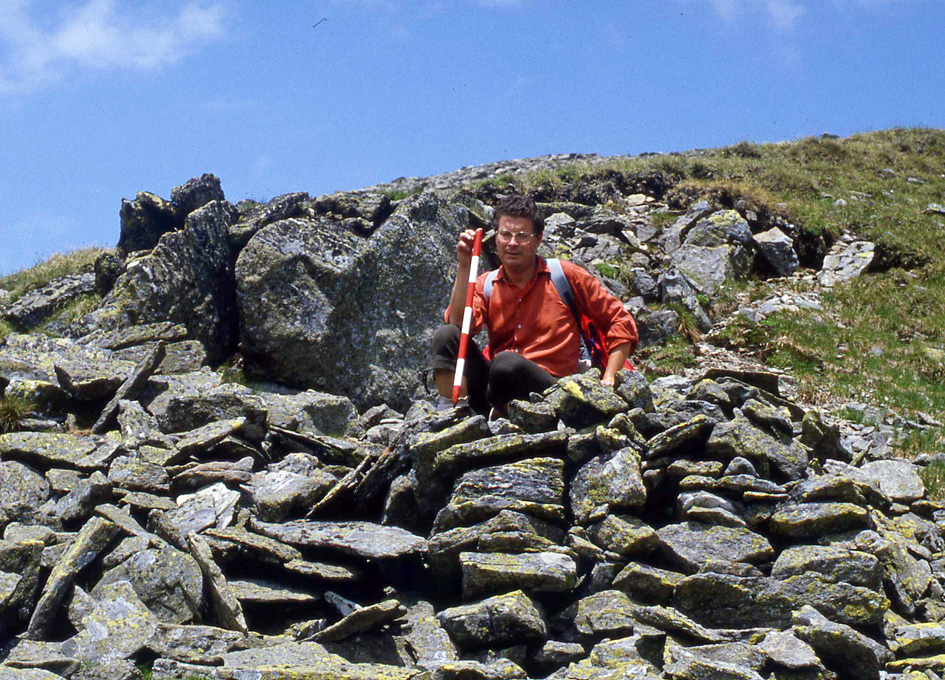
pixel 516 242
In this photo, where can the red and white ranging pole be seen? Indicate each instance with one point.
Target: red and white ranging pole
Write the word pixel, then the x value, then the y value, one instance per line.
pixel 467 317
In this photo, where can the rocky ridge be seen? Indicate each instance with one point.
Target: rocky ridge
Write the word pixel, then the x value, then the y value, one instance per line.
pixel 327 523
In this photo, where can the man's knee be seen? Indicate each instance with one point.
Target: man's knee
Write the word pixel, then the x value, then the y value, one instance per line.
pixel 445 338
pixel 507 365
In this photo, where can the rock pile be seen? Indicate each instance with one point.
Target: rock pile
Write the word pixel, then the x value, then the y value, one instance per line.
pixel 684 529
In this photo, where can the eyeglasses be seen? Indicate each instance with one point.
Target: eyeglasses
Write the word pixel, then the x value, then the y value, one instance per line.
pixel 520 236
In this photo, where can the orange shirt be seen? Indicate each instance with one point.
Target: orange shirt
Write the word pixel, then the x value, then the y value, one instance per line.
pixel 535 322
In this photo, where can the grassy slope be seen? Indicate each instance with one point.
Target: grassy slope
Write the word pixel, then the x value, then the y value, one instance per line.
pixel 880 340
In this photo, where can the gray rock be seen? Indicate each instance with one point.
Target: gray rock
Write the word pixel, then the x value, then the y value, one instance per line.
pixel 689 664
pixel 131 388
pixel 809 520
pixel 187 279
pixel 168 582
pixel 846 264
pixel 21 486
pixel 265 593
pixel 657 327
pixel 605 614
pixel 58 449
pixel 118 627
pixel 539 572
pixel 81 500
pixel 499 669
pixel 312 411
pixel 226 606
pixel 277 494
pixel 139 428
pixel 624 535
pixel 135 474
pixel 359 539
pixel 254 217
pixel 581 400
pixel 45 657
pixel 836 564
pixel 505 619
pixel 784 649
pixel 690 544
pixel 88 544
pixel 196 644
pixel 841 647
pixel 19 582
pixel 613 660
pixel 307 287
pixel 608 482
pixel 648 584
pixel 362 619
pixel 897 479
pixel 144 220
pixel 777 249
pixel 534 486
pixel 723 600
pixel 424 638
pixel 740 438
pixel 186 402
pixel 196 193
pixel 708 268
pixel 633 387
pixel 39 304
pixel 680 438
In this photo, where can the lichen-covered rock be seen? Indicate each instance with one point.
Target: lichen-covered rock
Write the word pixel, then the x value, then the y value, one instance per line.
pixel 19 581
pixel 504 619
pixel 581 400
pixel 691 544
pixel 607 613
pixel 59 449
pixel 118 627
pixel 609 482
pixel 739 437
pixel 307 287
pixel 777 249
pixel 167 581
pixel 144 220
pixel 39 304
pixel 625 535
pixel 809 520
pixel 197 192
pixel 897 479
pixel 648 584
pixel 278 493
pixel 534 486
pixel 841 647
pixel 186 278
pixel 21 487
pixel 312 411
pixel 848 263
pixel 538 572
pixel 835 563
pixel 359 539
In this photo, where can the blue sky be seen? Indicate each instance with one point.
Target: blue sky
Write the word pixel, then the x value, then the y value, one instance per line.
pixel 100 99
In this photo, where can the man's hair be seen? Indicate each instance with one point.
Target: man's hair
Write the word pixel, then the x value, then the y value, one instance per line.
pixel 519 206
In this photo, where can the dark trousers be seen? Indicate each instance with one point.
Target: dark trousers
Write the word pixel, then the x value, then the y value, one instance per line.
pixel 489 383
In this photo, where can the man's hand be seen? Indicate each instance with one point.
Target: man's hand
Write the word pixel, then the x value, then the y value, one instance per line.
pixel 464 249
pixel 618 356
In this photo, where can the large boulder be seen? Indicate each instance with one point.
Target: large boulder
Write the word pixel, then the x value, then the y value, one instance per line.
pixel 187 278
pixel 325 308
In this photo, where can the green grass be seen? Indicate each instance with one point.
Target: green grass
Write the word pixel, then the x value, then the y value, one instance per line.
pixel 933 476
pixel 13 409
pixel 60 264
pixel 878 340
pixel 669 359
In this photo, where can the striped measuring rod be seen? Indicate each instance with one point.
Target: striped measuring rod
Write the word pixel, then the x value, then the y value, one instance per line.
pixel 467 317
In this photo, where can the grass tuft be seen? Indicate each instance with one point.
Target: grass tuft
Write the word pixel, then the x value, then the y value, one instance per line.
pixel 13 409
pixel 60 264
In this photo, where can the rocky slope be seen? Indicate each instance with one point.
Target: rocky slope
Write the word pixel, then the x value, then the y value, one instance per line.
pixel 325 522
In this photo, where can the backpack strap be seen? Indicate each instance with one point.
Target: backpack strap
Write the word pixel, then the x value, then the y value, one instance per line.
pixel 560 281
pixel 489 283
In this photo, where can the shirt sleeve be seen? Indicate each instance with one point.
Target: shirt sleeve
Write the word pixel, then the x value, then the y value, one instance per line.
pixel 480 307
pixel 605 310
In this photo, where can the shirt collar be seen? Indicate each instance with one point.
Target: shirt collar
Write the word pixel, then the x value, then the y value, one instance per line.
pixel 541 267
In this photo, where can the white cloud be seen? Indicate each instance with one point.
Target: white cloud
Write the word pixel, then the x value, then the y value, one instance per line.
pixel 97 35
pixel 784 15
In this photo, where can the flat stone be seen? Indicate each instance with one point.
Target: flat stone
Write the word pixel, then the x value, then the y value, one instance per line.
pixel 225 603
pixel 263 592
pixel 130 388
pixel 46 656
pixel 840 646
pixel 626 535
pixel 93 538
pixel 212 506
pixel 672 621
pixel 205 437
pixel 836 564
pixel 58 449
pixel 690 544
pixel 609 482
pixel 505 619
pixel 688 664
pixel 167 581
pixel 490 450
pixel 810 520
pixel 135 474
pixel 534 486
pixel 21 486
pixel 428 643
pixel 607 613
pixel 196 644
pixel 323 571
pixel 581 400
pixel 785 649
pixel 647 583
pixel 118 627
pixel 897 479
pixel 530 572
pixel 921 639
pixel 278 493
pixel 360 539
pixel 689 434
pixel 361 620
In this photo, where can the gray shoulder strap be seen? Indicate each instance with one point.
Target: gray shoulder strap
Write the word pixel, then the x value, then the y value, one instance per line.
pixel 560 281
pixel 488 283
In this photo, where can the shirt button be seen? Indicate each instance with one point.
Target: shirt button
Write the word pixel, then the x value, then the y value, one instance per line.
pixel 520 325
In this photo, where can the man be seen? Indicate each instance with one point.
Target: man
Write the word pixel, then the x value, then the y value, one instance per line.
pixel 534 338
